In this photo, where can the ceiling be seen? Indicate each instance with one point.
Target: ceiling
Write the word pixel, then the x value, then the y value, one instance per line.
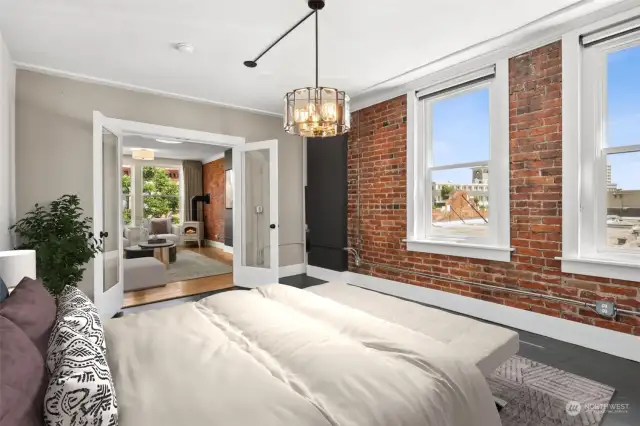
pixel 361 44
pixel 184 151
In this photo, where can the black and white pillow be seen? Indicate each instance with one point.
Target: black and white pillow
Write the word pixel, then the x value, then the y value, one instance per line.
pixel 77 311
pixel 81 390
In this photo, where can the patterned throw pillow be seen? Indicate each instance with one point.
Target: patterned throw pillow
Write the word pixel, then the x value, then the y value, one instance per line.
pixel 81 390
pixel 76 311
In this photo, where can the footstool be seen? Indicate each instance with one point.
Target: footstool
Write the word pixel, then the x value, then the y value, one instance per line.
pixel 144 272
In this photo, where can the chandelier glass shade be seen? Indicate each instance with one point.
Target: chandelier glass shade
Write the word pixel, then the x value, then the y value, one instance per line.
pixel 316 112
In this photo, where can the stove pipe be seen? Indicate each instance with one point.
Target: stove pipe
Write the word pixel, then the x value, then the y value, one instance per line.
pixel 206 199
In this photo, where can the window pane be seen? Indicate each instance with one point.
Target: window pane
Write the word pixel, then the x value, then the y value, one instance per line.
pixel 623 97
pixel 623 200
pixel 126 195
pixel 161 193
pixel 461 128
pixel 460 204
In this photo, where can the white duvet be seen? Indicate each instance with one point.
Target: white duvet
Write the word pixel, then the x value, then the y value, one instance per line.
pixel 282 356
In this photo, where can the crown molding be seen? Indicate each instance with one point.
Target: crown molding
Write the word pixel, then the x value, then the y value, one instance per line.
pixel 538 33
pixel 140 89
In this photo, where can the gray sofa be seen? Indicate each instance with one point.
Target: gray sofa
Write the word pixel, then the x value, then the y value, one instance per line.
pixel 162 227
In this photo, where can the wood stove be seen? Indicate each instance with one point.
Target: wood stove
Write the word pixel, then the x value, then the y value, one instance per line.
pixel 192 231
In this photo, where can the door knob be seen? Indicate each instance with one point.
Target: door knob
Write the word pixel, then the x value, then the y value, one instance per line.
pixel 272 226
pixel 104 234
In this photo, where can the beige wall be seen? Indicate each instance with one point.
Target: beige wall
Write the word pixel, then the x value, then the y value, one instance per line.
pixel 54 143
pixel 7 110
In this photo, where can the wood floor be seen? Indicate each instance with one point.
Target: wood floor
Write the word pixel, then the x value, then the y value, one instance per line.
pixel 185 288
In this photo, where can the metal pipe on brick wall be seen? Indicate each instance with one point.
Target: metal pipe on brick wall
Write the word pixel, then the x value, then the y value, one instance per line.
pixel 489 287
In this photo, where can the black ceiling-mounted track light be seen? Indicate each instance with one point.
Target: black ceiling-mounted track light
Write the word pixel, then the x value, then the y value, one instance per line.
pixel 312 111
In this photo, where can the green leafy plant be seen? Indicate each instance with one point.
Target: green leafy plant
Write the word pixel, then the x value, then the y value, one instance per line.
pixel 446 191
pixel 62 239
pixel 160 194
pixel 126 193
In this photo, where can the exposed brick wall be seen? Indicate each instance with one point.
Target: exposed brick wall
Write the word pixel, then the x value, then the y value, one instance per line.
pixel 535 204
pixel 213 183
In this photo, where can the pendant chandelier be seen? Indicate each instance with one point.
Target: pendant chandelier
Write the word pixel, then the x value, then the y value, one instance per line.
pixel 313 111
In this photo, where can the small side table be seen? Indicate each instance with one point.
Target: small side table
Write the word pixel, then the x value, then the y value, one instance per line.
pixel 160 251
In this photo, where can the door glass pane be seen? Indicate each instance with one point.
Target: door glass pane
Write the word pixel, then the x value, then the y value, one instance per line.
pixel 623 97
pixel 461 127
pixel 255 199
pixel 623 201
pixel 110 202
pixel 460 202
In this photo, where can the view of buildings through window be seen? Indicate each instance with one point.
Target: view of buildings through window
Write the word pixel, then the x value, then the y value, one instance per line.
pixel 160 193
pixel 460 196
pixel 623 130
pixel 461 132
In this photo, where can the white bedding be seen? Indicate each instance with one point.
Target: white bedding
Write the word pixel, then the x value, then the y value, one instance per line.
pixel 485 345
pixel 282 356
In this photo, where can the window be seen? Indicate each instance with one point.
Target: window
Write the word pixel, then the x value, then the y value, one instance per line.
pixel 603 154
pixel 161 193
pixel 126 195
pixel 458 158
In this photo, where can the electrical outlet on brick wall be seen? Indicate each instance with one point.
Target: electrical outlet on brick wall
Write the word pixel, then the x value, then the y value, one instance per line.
pixel 606 309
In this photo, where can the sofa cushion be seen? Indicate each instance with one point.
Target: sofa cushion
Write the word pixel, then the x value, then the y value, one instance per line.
pixel 144 272
pixel 23 377
pixel 32 308
pixel 161 226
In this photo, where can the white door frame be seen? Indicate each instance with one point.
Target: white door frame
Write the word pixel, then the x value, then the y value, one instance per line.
pixel 247 276
pixel 121 128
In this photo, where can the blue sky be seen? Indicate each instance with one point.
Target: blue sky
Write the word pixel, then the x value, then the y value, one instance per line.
pixel 461 129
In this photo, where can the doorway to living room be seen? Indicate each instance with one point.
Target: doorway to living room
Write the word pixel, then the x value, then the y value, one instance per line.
pixel 174 192
pixel 250 192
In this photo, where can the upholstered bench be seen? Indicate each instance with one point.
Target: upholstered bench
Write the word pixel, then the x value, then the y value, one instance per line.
pixel 144 272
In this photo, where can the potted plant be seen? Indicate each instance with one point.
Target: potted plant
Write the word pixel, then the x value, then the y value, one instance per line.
pixel 62 239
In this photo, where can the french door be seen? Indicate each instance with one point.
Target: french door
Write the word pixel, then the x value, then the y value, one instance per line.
pixel 108 290
pixel 255 214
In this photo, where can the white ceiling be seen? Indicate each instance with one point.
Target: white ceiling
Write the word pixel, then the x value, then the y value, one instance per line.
pixel 183 151
pixel 361 43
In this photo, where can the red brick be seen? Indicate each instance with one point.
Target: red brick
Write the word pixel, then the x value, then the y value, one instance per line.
pixel 535 131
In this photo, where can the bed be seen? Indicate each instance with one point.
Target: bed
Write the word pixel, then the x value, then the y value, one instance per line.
pixel 485 345
pixel 278 355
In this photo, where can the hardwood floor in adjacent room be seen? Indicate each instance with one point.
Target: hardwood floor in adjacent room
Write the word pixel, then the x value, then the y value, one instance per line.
pixel 185 288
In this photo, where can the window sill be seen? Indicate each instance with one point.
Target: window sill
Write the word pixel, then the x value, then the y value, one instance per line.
pixel 601 268
pixel 474 251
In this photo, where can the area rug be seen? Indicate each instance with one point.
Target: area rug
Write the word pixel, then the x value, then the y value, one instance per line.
pixel 190 265
pixel 539 395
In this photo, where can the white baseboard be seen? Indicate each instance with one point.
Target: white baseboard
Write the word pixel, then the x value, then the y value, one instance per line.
pixel 227 249
pixel 327 274
pixel 600 339
pixel 289 270
pixel 216 244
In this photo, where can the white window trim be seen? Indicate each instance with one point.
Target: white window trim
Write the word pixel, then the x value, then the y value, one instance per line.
pixel 497 245
pixel 581 123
